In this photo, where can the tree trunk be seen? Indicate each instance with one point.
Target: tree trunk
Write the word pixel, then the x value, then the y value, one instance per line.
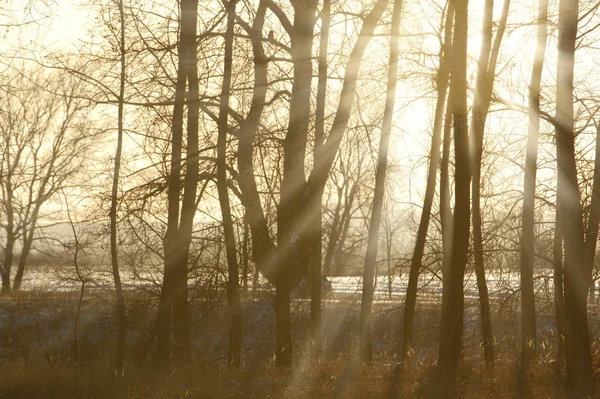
pixel 591 233
pixel 290 240
pixel 445 209
pixel 8 257
pixel 434 160
pixel 245 256
pixel 173 306
pixel 451 329
pixel 263 249
pixel 559 299
pixel 486 72
pixel 120 355
pixel 10 226
pixel 366 351
pixel 333 233
pixel 576 281
pixel 315 233
pixel 181 322
pixel 233 295
pixel 165 307
pixel 277 264
pixel 388 247
pixel 25 249
pixel 528 323
pixel 283 354
pixel 338 235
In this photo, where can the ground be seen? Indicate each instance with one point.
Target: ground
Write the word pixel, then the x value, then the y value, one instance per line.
pixel 39 357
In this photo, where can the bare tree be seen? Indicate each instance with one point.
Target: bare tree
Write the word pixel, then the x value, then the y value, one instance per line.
pixel 486 74
pixel 43 139
pixel 315 233
pixel 434 161
pixel 577 340
pixel 528 342
pixel 282 264
pixel 120 357
pixel 366 351
pixel 173 307
pixel 233 295
pixel 451 329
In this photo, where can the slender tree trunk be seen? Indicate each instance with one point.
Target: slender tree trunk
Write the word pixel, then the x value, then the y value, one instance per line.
pixel 484 85
pixel 576 281
pixel 528 328
pixel 81 279
pixel 591 233
pixel 255 281
pixel 26 248
pixel 245 256
pixel 333 234
pixel 451 329
pixel 181 322
pixel 165 307
pixel 338 235
pixel 445 209
pixel 120 355
pixel 283 354
pixel 434 160
pixel 233 295
pixel 388 247
pixel 28 235
pixel 10 230
pixel 315 233
pixel 559 299
pixel 5 270
pixel 366 351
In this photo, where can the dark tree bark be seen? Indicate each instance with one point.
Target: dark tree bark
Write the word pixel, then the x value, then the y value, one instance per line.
pixel 528 323
pixel 445 209
pixel 10 226
pixel 263 249
pixel 289 230
pixel 451 329
pixel 434 160
pixel 366 350
pixel 181 322
pixel 245 255
pixel 576 280
pixel 233 295
pixel 173 306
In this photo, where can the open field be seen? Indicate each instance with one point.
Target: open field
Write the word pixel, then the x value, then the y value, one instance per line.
pixel 42 357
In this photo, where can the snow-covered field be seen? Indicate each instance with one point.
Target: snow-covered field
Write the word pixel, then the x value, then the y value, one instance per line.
pixel 393 288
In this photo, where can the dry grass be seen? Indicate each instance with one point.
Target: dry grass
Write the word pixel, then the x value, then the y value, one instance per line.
pixel 37 357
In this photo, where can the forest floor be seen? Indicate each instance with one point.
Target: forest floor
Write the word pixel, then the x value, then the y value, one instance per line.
pixel 42 356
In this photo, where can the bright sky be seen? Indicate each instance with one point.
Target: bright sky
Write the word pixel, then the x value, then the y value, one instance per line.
pixel 67 25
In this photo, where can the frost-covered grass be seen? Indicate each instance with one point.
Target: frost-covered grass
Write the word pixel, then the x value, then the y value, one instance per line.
pixel 38 357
